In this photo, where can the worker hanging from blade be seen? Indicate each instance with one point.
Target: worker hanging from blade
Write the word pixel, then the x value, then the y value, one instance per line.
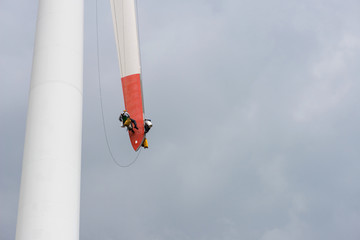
pixel 147 126
pixel 127 121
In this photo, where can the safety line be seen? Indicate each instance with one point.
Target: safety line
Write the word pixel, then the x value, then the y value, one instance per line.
pixel 101 101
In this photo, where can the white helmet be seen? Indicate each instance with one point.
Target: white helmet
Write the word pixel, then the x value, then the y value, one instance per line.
pixel 148 123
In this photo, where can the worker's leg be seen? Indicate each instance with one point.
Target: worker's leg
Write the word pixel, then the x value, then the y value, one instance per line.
pixel 134 122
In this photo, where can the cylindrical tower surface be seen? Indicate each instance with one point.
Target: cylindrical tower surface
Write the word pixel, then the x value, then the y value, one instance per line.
pixel 49 202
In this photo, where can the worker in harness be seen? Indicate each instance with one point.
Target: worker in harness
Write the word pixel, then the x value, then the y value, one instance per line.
pixel 127 121
pixel 147 126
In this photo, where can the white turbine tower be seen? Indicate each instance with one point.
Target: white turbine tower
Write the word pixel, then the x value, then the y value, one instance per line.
pixel 49 202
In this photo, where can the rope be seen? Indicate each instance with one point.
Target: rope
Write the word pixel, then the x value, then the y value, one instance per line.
pixel 101 101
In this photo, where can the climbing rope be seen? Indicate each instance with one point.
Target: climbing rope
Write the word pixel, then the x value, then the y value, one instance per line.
pixel 101 101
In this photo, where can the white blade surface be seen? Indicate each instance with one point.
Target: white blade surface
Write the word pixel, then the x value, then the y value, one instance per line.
pixel 126 36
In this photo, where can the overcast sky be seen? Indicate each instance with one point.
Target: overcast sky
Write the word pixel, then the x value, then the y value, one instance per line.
pixel 255 106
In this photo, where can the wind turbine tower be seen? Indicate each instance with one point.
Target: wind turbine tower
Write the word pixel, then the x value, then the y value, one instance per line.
pixel 49 202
